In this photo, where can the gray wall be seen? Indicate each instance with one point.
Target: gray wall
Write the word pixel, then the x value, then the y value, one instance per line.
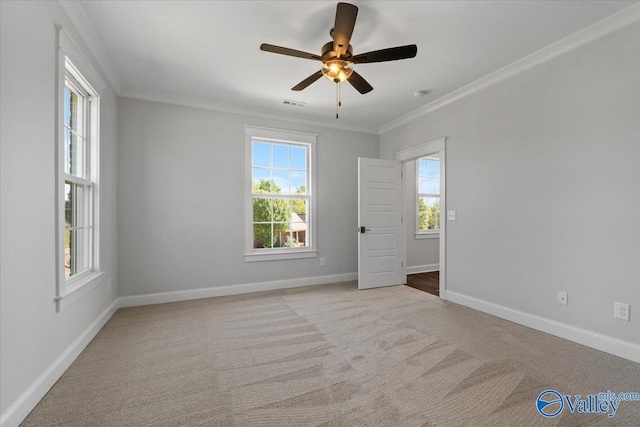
pixel 543 170
pixel 420 252
pixel 32 334
pixel 181 197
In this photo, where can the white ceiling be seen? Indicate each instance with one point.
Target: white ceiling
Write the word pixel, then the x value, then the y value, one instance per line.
pixel 208 51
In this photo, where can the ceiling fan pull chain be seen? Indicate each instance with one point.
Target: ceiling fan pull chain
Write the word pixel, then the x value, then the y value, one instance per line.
pixel 337 98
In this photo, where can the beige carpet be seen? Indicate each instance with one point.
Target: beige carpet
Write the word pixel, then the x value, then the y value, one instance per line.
pixel 327 356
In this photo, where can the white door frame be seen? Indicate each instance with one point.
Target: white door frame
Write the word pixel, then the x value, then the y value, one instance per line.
pixel 437 146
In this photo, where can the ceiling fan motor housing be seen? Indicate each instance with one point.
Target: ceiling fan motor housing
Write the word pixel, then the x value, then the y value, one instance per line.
pixel 328 53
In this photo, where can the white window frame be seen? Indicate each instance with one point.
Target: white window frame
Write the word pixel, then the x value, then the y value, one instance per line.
pixel 288 137
pixel 74 66
pixel 424 234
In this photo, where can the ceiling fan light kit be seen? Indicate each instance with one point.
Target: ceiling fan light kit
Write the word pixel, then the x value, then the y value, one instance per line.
pixel 337 56
pixel 337 70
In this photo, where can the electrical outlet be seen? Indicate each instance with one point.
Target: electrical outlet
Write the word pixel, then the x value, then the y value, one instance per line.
pixel 451 215
pixel 621 311
pixel 563 298
pixel 323 261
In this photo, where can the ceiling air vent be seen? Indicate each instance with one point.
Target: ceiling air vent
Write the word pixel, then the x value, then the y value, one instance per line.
pixel 294 103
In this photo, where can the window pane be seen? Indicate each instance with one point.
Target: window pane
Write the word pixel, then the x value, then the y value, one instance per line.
pixel 282 210
pixel 73 153
pixel 261 154
pixel 299 209
pixel 80 205
pixel 297 235
pixel 261 178
pixel 433 168
pixel 72 109
pixel 262 236
pixel 434 212
pixel 280 156
pixel 433 186
pixel 298 227
pixel 281 235
pixel 280 181
pixel 262 210
pixel 67 107
pixel 70 202
pixel 298 156
pixel 263 186
pixel 429 185
pixel 422 167
pixel 298 182
pixel 422 185
pixel 429 213
pixel 69 257
pixel 81 250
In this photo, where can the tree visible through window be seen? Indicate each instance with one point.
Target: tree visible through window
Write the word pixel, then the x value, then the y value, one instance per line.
pixel 279 194
pixel 428 194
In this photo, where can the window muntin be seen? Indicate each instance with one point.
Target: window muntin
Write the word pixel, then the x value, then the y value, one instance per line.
pixel 280 195
pixel 428 195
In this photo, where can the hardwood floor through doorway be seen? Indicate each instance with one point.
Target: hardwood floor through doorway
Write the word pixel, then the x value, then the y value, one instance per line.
pixel 426 282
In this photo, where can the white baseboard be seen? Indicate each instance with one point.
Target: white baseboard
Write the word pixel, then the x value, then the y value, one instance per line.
pixel 427 268
pixel 219 291
pixel 28 400
pixel 617 347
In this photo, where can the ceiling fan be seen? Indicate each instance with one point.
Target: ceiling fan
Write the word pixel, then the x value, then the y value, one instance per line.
pixel 337 56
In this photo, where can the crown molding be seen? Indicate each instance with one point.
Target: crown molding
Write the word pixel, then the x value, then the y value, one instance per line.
pixel 82 25
pixel 588 34
pixel 207 104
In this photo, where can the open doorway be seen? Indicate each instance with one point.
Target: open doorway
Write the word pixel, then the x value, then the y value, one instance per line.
pixel 424 217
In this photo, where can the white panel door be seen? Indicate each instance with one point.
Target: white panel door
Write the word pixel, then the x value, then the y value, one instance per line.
pixel 379 216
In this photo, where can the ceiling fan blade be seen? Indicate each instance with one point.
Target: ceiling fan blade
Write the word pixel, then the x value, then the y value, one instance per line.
pixel 359 83
pixel 345 21
pixel 306 82
pixel 383 55
pixel 289 52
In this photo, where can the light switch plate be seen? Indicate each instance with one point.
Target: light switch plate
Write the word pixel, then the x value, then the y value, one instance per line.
pixel 451 215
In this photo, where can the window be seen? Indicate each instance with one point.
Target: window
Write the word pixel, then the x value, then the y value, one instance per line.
pixel 428 196
pixel 280 203
pixel 78 218
pixel 77 176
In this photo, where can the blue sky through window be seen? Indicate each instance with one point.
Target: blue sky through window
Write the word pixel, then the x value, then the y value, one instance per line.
pixel 428 176
pixel 429 167
pixel 284 164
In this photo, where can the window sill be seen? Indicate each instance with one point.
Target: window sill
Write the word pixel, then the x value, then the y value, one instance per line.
pixel 80 289
pixel 280 255
pixel 427 235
